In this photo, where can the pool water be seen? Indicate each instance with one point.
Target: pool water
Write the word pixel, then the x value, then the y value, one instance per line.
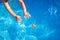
pixel 45 14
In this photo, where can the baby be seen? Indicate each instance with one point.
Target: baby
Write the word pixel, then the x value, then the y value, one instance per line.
pixel 18 19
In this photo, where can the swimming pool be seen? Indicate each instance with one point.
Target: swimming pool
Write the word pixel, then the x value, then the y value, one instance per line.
pixel 44 13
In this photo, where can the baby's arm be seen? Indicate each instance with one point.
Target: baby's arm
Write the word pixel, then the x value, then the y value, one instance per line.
pixel 23 7
pixel 10 10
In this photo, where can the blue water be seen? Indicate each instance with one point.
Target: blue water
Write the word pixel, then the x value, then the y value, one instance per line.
pixel 44 13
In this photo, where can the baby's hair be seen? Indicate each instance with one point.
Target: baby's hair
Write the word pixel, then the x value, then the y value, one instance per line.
pixel 6 0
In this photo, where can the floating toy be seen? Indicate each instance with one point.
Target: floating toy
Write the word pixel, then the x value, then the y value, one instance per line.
pixel 33 25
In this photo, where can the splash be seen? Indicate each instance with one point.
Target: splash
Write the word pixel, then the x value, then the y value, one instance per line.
pixel 52 10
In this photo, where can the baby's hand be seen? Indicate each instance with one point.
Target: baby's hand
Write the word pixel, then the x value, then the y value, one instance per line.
pixel 26 14
pixel 18 19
